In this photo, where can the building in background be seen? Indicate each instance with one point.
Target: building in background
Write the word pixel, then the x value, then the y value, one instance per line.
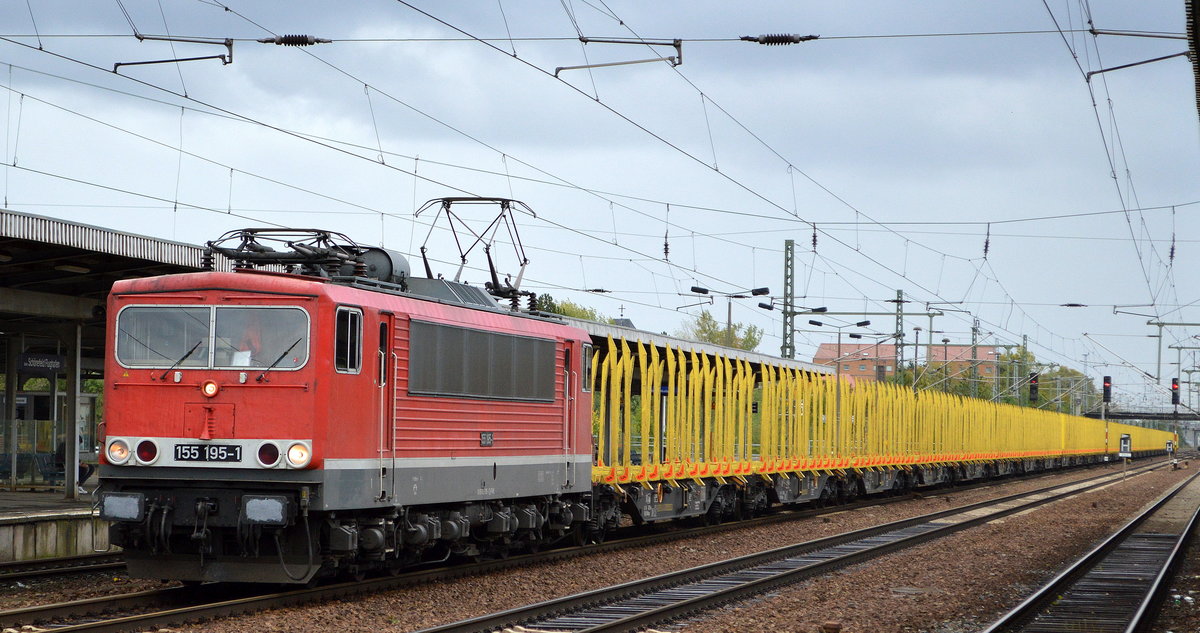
pixel 877 361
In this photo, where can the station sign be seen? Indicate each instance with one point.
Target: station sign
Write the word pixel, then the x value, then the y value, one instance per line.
pixel 48 365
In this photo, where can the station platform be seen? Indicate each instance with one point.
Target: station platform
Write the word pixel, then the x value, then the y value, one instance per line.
pixel 45 524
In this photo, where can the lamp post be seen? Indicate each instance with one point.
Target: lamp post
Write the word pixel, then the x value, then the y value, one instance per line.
pixel 788 350
pixel 946 365
pixel 838 353
pixel 730 296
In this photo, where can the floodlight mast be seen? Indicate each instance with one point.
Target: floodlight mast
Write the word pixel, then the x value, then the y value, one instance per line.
pixel 730 296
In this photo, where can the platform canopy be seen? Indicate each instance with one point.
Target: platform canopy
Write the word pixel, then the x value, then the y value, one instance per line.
pixel 55 273
pixel 54 278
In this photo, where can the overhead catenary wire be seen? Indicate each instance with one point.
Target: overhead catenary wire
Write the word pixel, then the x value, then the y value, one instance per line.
pixel 248 119
pixel 856 224
pixel 696 40
pixel 902 274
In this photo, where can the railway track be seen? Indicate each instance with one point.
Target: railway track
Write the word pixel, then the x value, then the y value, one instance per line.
pixel 1119 585
pixel 14 571
pixel 669 597
pixel 159 608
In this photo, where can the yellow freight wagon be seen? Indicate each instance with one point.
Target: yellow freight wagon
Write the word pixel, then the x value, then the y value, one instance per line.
pixel 676 421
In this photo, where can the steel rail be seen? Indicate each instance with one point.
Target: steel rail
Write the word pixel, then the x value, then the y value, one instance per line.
pixel 653 615
pixel 1147 611
pixel 1142 612
pixel 187 595
pixel 12 571
pixel 221 604
pixel 15 618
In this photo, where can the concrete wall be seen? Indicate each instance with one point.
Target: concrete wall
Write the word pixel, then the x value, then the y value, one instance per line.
pixel 31 538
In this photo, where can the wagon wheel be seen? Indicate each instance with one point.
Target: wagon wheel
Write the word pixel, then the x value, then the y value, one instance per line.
pixel 824 498
pixel 715 512
pixel 745 511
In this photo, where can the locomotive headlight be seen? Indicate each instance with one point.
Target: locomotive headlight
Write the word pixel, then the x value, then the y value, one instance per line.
pixel 298 455
pixel 118 452
pixel 209 388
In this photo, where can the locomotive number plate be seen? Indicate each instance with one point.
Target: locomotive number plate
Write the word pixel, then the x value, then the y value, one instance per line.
pixel 208 453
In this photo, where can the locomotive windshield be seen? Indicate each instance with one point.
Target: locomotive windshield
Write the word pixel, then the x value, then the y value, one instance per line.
pixel 216 337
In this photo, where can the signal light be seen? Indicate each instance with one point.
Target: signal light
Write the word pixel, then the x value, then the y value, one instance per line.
pixel 1174 391
pixel 1033 387
pixel 147 451
pixel 268 454
pixel 1108 388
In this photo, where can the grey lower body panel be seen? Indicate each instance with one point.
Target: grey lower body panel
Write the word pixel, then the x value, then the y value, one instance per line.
pixel 450 483
pixel 427 482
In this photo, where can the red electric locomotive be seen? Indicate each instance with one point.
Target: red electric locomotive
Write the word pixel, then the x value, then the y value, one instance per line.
pixel 278 426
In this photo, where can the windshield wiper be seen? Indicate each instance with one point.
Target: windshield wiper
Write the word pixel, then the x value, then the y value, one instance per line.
pixel 262 376
pixel 181 359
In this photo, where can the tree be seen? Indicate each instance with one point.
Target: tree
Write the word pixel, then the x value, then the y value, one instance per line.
pixel 705 328
pixel 546 303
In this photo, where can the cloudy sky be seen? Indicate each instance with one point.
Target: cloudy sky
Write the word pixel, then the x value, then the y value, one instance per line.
pixel 952 150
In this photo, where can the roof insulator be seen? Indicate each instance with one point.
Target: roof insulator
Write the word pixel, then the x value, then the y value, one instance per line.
pixel 779 39
pixel 294 40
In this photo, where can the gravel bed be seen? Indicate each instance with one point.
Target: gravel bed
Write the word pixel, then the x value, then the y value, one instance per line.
pixel 437 603
pixel 955 584
pixel 28 593
pixel 1181 610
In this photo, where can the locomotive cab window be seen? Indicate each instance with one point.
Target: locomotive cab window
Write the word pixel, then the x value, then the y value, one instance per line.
pixel 347 353
pixel 200 337
pixel 586 372
pixel 163 336
pixel 260 337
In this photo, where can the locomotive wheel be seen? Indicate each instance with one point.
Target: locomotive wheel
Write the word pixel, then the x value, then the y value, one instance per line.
pixel 534 542
pixel 595 530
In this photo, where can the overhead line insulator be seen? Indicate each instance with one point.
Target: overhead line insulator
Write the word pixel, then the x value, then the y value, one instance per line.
pixel 779 39
pixel 294 40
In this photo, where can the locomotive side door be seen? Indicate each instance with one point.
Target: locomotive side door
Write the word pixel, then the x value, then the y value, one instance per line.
pixel 385 380
pixel 569 412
